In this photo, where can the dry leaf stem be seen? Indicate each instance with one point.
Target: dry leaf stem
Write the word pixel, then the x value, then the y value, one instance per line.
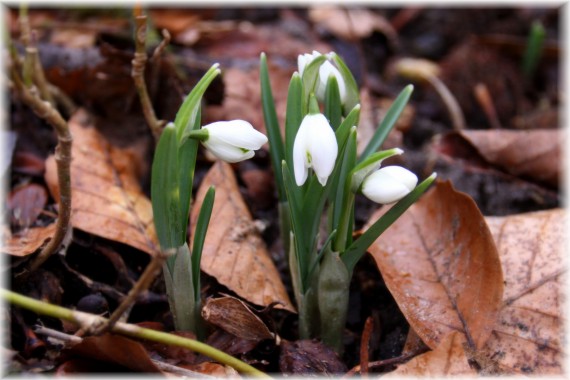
pixel 44 110
pixel 84 320
pixel 137 72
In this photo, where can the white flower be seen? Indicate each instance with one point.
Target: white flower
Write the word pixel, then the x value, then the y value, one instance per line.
pixel 233 141
pixel 389 184
pixel 327 69
pixel 315 147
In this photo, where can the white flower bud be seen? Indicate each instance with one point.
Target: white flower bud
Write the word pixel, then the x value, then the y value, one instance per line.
pixel 389 184
pixel 315 147
pixel 233 141
pixel 325 70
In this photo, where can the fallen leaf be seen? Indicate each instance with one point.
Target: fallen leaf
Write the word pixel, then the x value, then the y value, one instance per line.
pixel 234 253
pixel 448 359
pixel 27 241
pixel 26 203
pixel 115 349
pixel 352 24
pixel 528 337
pixel 107 199
pixel 532 154
pixel 440 263
pixel 305 357
pixel 214 369
pixel 233 316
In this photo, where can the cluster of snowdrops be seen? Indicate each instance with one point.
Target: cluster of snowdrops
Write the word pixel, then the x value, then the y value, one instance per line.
pixel 316 171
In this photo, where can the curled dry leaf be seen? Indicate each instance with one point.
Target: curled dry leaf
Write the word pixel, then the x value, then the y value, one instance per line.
pixel 532 154
pixel 107 199
pixel 26 203
pixel 27 241
pixel 234 253
pixel 440 263
pixel 528 337
pixel 448 359
pixel 233 316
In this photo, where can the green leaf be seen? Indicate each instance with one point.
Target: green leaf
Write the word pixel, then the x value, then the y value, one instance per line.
pixel 359 247
pixel 182 290
pixel 350 121
pixel 352 92
pixel 370 164
pixel 200 236
pixel 310 79
pixel 333 106
pixel 186 117
pixel 187 164
pixel 293 116
pixel 388 122
pixel 164 190
pixel 344 198
pixel 533 48
pixel 276 148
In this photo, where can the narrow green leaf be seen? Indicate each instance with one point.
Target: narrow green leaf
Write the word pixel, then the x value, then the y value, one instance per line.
pixel 310 79
pixel 187 153
pixel 388 122
pixel 321 253
pixel 276 148
pixel 359 247
pixel 293 116
pixel 183 291
pixel 370 164
pixel 200 236
pixel 344 198
pixel 352 92
pixel 533 48
pixel 164 190
pixel 188 112
pixel 333 106
pixel 350 121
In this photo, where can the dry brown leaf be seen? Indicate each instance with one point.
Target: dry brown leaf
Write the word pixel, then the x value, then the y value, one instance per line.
pixel 107 199
pixel 116 349
pixel 448 359
pixel 234 253
pixel 528 337
pixel 440 263
pixel 352 24
pixel 533 154
pixel 235 317
pixel 27 241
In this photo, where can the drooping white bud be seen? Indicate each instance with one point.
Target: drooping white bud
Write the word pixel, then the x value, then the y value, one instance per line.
pixel 389 184
pixel 233 141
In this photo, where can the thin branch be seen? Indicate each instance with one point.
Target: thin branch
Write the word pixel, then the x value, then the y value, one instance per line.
pixel 45 111
pixel 137 72
pixel 84 320
pixel 153 269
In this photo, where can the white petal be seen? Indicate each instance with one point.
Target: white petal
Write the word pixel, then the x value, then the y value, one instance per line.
pixel 228 153
pixel 238 133
pixel 327 69
pixel 322 145
pixel 389 186
pixel 403 175
pixel 300 166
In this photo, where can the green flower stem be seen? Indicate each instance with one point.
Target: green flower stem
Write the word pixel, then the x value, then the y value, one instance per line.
pixel 85 319
pixel 199 134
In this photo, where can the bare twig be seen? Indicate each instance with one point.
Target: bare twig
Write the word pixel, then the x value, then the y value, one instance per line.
pixel 382 363
pixel 153 269
pixel 137 72
pixel 47 112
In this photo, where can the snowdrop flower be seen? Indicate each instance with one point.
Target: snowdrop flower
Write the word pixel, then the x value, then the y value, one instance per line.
pixel 315 147
pixel 389 184
pixel 325 71
pixel 233 141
